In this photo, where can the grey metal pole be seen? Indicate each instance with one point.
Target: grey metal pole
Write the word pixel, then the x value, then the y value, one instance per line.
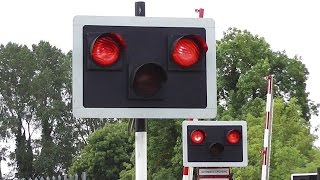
pixel 140 126
pixel 318 173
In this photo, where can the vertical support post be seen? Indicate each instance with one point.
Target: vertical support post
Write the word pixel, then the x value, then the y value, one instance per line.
pixel 140 125
pixel 318 173
pixel 266 152
pixel 84 176
pixel 141 149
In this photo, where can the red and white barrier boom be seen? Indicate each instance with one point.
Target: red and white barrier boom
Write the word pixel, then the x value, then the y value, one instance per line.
pixel 266 152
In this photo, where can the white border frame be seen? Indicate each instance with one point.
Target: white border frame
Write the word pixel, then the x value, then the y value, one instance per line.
pixel 80 111
pixel 303 174
pixel 185 136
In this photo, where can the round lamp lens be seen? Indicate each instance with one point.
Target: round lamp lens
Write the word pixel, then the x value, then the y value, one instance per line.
pixel 197 136
pixel 233 137
pixel 105 50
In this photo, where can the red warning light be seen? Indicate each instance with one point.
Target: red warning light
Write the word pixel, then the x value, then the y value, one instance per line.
pixel 233 137
pixel 197 136
pixel 105 50
pixel 187 50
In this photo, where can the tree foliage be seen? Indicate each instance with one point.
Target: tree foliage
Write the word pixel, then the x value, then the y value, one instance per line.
pixel 291 141
pixel 35 99
pixel 17 106
pixel 106 154
pixel 162 141
pixel 244 59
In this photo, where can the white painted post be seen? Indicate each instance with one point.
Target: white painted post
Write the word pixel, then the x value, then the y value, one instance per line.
pixel 141 155
pixel 190 173
pixel 84 175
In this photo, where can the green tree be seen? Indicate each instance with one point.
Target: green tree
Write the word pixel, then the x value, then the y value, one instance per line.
pixel 48 87
pixel 291 141
pixel 35 94
pixel 244 59
pixel 164 151
pixel 162 138
pixel 16 72
pixel 107 153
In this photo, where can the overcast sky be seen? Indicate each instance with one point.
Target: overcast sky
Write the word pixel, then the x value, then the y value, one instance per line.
pixel 289 25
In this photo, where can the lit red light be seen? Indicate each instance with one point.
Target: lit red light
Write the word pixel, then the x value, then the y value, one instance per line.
pixel 197 136
pixel 233 137
pixel 188 50
pixel 105 50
